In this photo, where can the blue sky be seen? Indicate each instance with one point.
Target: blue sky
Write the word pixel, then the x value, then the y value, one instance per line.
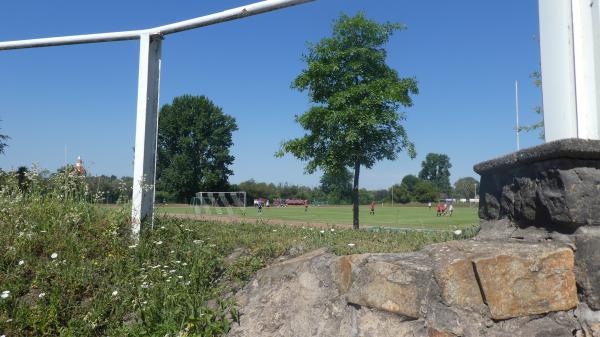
pixel 465 55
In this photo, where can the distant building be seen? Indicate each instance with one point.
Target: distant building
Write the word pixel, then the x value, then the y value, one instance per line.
pixel 79 169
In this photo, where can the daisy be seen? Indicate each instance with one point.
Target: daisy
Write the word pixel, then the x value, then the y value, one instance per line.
pixel 54 255
pixel 351 245
pixel 457 232
pixel 21 263
pixel 115 293
pixel 41 295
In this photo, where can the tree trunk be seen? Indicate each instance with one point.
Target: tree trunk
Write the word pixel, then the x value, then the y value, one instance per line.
pixel 355 196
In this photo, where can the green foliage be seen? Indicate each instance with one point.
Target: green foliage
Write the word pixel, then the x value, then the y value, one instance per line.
pixel 536 76
pixel 400 194
pixel 355 121
pixel 425 191
pixel 465 187
pixel 272 191
pixel 3 144
pixel 337 186
pixel 414 189
pixel 194 137
pixel 436 169
pixel 69 268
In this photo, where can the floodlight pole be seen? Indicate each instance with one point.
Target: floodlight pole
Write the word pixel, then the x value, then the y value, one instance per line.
pixel 144 171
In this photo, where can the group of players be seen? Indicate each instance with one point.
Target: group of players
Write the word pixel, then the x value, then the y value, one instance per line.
pixel 441 209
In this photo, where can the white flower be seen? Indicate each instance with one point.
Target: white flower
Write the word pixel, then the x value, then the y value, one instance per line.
pixel 274 230
pixel 159 242
pixel 333 230
pixel 184 264
pixel 21 263
pixel 54 255
pixel 172 252
pixel 351 245
pixel 179 277
pixel 115 293
pixel 172 271
pixel 322 231
pixel 5 294
pixel 42 295
pixel 162 227
pixel 197 242
pixel 457 232
pixel 133 246
pixel 177 262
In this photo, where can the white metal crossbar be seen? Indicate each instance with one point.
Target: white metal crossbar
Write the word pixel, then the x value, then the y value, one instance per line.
pixel 148 89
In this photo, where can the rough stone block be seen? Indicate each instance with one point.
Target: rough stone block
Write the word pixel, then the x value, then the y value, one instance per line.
pixel 527 279
pixel 454 273
pixel 394 283
pixel 555 185
pixel 587 259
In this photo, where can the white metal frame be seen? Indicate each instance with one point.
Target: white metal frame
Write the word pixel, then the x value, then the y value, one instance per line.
pixel 211 195
pixel 149 88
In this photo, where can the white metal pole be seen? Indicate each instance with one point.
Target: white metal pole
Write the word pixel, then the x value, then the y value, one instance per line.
pixel 146 132
pixel 517 109
pixel 570 51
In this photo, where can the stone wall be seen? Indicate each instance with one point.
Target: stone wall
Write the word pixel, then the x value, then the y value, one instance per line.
pixel 533 270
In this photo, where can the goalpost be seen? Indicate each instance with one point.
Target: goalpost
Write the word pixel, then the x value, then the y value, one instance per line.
pixel 148 89
pixel 220 203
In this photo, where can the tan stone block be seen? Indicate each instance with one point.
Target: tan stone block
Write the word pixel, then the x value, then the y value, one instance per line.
pixel 438 333
pixel 595 328
pixel 453 270
pixel 393 286
pixel 527 279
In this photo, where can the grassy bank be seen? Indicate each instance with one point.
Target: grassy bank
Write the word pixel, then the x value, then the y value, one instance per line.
pixel 68 268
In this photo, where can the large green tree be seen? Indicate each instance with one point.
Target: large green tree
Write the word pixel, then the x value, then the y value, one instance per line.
pixel 466 187
pixel 355 120
pixel 194 137
pixel 436 169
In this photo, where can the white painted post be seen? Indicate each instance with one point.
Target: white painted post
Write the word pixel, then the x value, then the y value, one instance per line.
pixel 570 51
pixel 146 131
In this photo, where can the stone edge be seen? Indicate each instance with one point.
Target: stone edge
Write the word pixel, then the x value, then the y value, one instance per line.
pixel 572 148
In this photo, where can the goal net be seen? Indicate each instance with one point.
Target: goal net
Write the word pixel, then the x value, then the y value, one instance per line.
pixel 220 203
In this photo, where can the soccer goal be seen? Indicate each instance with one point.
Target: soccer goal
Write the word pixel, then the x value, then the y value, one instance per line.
pixel 220 203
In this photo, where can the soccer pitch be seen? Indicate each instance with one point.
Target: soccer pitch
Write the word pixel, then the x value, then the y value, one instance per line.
pixel 400 217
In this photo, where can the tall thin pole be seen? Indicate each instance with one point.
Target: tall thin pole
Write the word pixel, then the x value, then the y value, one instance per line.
pixel 517 109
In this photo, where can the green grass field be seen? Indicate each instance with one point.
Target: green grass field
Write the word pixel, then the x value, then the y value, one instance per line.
pixel 402 217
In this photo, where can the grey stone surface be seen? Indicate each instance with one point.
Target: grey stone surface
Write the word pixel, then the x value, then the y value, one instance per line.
pixel 587 266
pixel 493 230
pixel 573 148
pixel 559 194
